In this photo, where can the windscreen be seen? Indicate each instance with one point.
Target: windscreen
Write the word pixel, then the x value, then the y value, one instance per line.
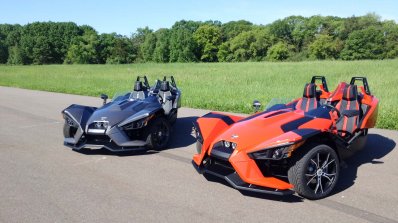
pixel 277 101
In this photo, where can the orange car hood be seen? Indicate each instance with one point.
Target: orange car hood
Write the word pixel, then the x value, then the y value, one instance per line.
pixel 253 131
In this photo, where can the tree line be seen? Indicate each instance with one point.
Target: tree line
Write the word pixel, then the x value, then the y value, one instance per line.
pixel 294 38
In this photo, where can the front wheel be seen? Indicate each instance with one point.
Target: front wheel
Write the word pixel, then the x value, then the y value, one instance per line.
pixel 314 171
pixel 173 116
pixel 69 131
pixel 158 133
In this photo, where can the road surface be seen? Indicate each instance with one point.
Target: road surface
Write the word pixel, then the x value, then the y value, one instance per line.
pixel 43 181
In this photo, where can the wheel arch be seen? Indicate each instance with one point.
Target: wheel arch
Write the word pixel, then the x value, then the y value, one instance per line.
pixel 320 138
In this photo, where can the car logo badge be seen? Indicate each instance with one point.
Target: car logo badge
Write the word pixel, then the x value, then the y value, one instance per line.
pixel 234 136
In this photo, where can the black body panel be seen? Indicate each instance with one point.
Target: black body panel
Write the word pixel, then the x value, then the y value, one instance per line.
pixel 229 175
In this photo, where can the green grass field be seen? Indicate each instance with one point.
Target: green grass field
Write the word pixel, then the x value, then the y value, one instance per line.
pixel 216 86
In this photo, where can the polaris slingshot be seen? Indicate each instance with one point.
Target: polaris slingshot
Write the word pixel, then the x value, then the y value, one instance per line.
pixel 290 147
pixel 140 119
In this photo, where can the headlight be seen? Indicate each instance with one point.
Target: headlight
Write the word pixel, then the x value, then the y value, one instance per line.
pixel 198 134
pixel 231 145
pixel 70 121
pixel 101 125
pixel 276 153
pixel 137 124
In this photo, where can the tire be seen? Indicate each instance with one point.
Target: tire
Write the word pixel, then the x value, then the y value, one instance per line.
pixel 69 131
pixel 173 116
pixel 314 171
pixel 158 133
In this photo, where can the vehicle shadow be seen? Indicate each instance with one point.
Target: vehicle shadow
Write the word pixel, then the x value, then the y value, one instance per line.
pixel 180 137
pixel 376 147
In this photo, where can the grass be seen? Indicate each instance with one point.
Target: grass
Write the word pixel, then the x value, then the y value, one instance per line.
pixel 216 86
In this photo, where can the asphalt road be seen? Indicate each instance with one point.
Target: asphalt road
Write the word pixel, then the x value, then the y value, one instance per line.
pixel 43 181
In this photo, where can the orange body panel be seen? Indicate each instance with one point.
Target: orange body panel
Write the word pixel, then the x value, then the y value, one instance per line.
pixel 324 93
pixel 338 92
pixel 249 172
pixel 257 130
pixel 210 128
pixel 369 121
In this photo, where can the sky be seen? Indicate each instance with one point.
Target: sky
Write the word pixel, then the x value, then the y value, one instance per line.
pixel 124 17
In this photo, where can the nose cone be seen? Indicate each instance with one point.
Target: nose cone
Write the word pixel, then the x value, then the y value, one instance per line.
pixel 250 132
pixel 116 112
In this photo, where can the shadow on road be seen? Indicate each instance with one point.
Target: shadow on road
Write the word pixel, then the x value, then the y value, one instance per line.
pixel 376 147
pixel 180 137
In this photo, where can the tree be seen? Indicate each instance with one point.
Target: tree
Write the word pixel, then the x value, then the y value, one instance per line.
pixel 148 47
pixel 324 47
pixel 282 30
pixel 15 56
pixel 9 36
pixel 138 39
pixel 83 50
pixel 240 46
pixel 231 29
pixel 224 54
pixel 208 38
pixel 390 30
pixel 106 43
pixel 162 50
pixel 279 51
pixel 182 46
pixel 3 52
pixel 41 53
pixel 320 37
pixel 47 42
pixel 368 43
pixel 249 45
pixel 122 52
pixel 263 40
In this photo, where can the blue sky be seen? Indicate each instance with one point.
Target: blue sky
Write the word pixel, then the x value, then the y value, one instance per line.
pixel 124 17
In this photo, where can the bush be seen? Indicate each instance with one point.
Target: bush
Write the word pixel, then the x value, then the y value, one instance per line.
pixel 278 52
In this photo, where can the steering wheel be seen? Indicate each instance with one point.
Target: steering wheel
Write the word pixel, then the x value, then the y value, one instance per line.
pixel 332 108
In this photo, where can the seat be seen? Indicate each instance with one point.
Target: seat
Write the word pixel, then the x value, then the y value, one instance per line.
pixel 349 109
pixel 166 96
pixel 309 100
pixel 139 91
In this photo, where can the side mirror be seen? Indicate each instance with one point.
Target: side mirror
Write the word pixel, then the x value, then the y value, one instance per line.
pixel 104 97
pixel 256 105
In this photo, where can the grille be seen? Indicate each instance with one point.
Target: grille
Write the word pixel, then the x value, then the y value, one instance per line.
pixel 221 152
pixel 97 139
pixel 98 125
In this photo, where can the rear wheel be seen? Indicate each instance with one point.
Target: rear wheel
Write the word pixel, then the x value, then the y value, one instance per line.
pixel 158 133
pixel 314 171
